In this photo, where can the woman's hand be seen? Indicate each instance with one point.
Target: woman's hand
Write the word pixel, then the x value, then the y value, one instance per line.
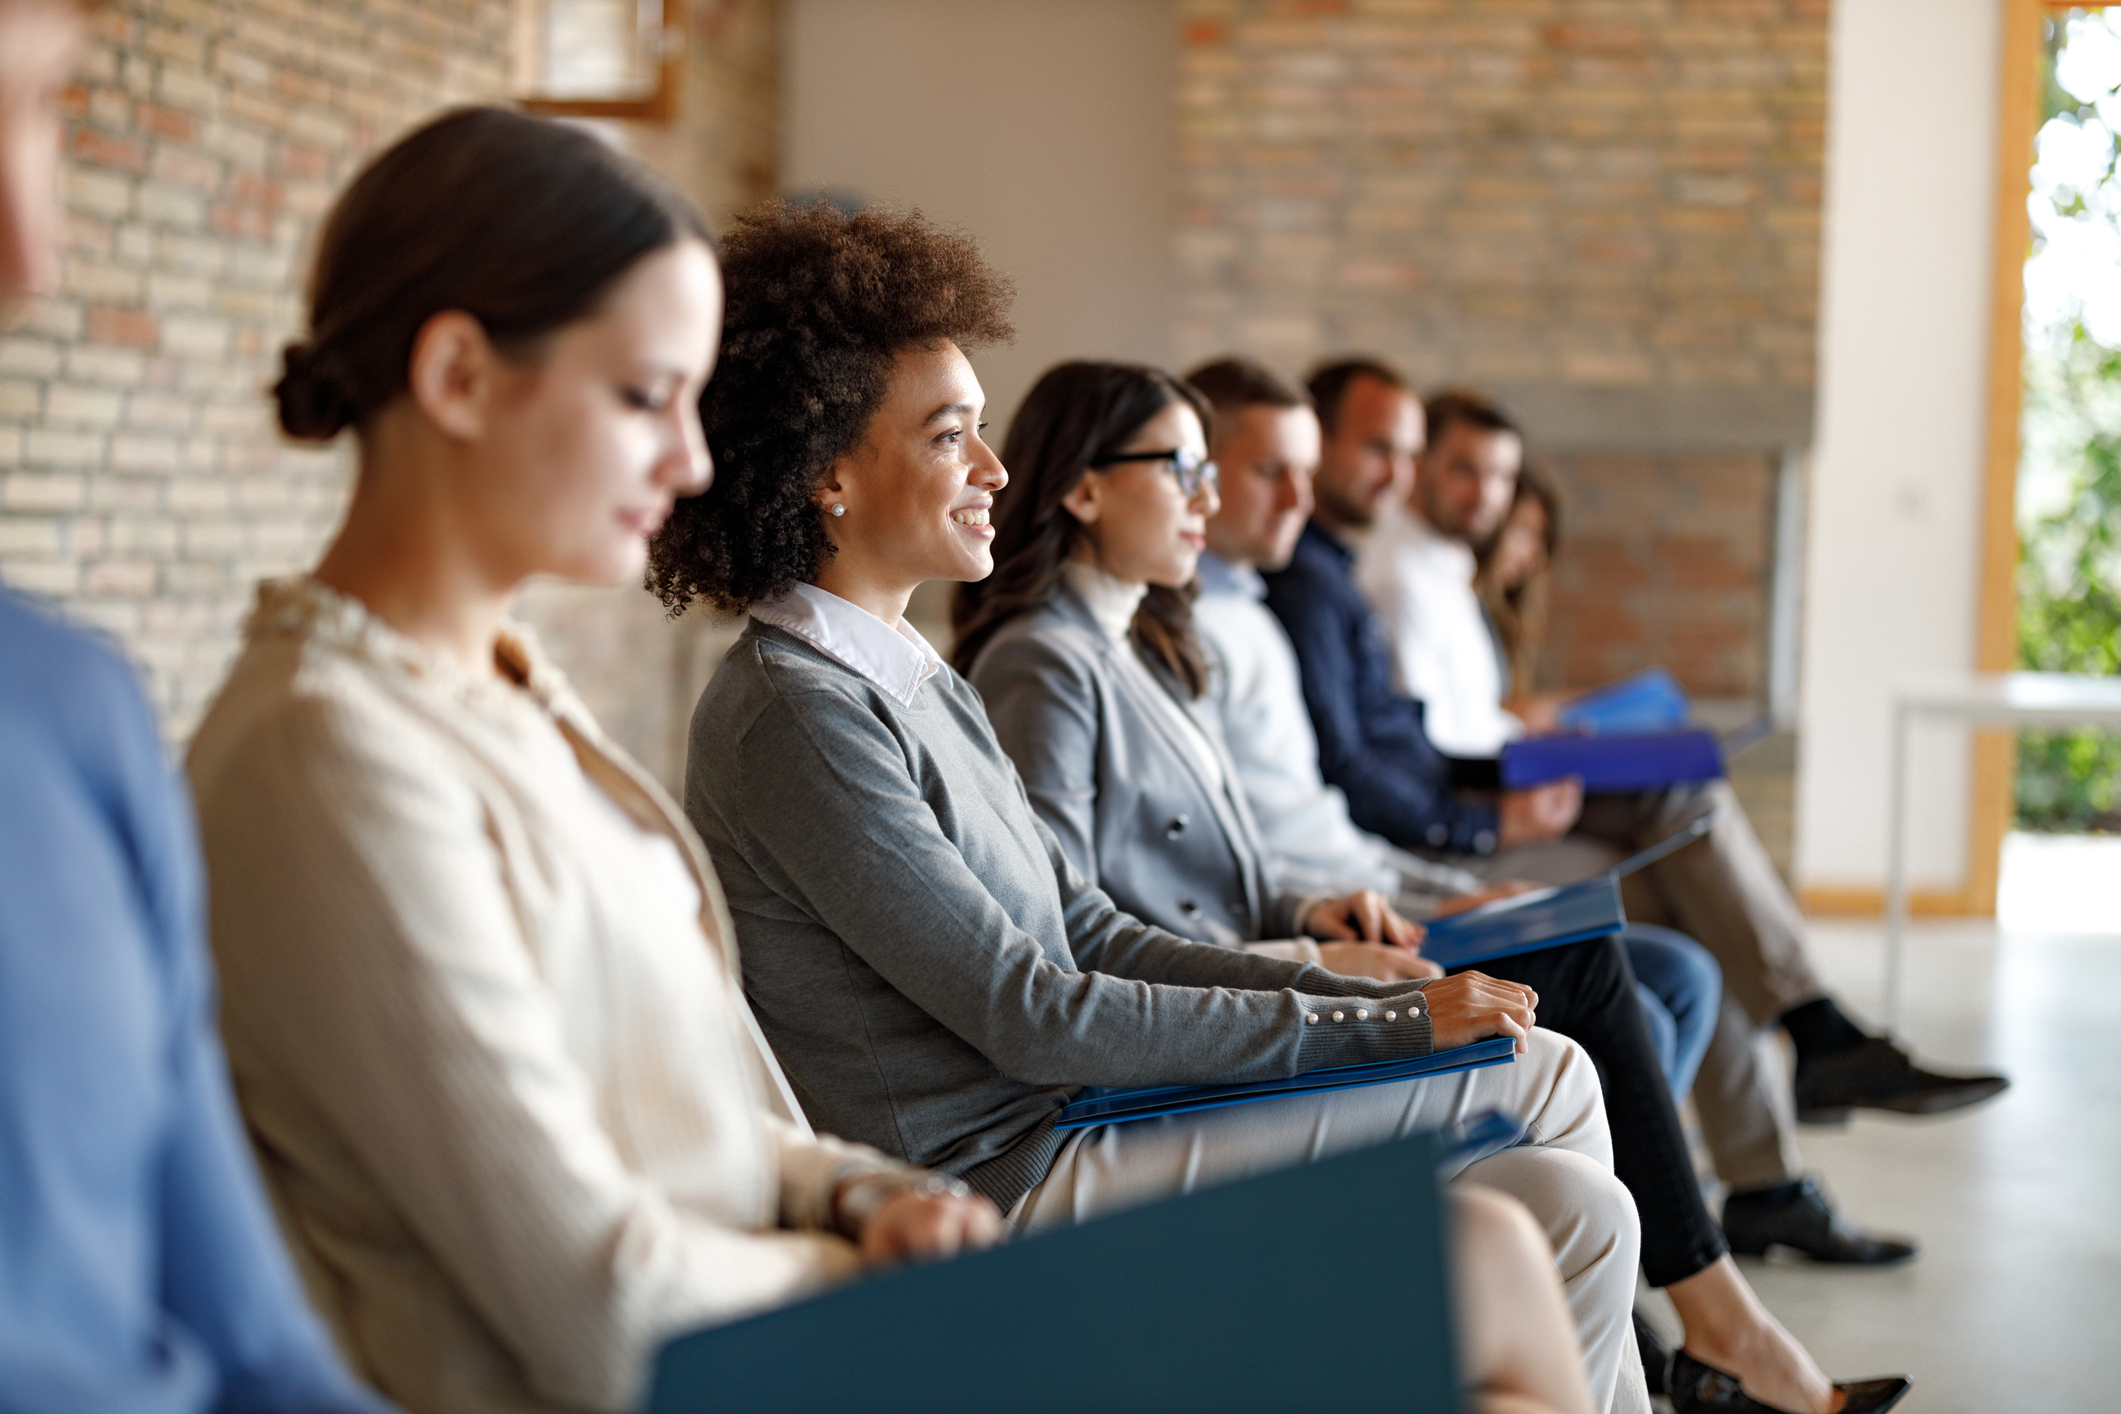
pixel 1361 917
pixel 911 1226
pixel 1540 713
pixel 1378 960
pixel 1473 1006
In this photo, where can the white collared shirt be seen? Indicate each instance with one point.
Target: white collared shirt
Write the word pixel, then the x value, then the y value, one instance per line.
pixel 1421 585
pixel 897 659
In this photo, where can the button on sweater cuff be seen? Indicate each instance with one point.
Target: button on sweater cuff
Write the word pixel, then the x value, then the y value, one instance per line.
pixel 1357 1031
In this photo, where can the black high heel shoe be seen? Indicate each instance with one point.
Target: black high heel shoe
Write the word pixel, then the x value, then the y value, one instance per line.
pixel 1693 1386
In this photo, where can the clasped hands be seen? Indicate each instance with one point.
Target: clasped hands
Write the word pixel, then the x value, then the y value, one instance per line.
pixel 911 1224
pixel 1368 938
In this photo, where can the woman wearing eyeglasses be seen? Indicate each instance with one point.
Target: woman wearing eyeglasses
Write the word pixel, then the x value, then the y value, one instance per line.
pixel 1071 643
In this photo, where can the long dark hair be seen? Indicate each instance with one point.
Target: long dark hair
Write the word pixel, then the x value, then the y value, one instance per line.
pixel 523 223
pixel 1519 612
pixel 1076 414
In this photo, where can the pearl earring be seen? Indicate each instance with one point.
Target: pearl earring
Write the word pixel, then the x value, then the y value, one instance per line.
pixel 838 509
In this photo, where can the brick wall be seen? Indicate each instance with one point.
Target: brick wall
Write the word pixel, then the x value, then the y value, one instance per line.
pixel 1605 211
pixel 142 483
pixel 140 480
pixel 1662 562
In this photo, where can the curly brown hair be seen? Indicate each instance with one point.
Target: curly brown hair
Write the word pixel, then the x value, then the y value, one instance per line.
pixel 820 304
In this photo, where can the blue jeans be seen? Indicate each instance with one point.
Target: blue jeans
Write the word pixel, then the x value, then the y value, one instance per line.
pixel 1681 988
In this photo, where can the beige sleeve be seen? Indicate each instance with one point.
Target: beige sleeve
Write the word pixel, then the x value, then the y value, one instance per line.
pixel 812 1165
pixel 372 964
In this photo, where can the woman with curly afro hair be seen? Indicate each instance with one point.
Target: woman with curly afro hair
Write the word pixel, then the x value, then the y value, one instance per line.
pixel 934 974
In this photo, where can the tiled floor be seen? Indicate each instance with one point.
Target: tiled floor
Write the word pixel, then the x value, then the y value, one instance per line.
pixel 2015 1304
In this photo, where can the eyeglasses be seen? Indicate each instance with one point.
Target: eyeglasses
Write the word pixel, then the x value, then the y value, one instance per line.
pixel 1192 469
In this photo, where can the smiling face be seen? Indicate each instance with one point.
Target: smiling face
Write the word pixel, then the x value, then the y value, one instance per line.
pixel 918 488
pixel 1377 433
pixel 1268 456
pixel 1139 524
pixel 1465 480
pixel 592 441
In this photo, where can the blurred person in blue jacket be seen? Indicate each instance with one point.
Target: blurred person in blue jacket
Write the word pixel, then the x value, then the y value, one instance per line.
pixel 139 1266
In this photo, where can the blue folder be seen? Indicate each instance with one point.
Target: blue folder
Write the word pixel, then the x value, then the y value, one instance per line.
pixel 1102 1105
pixel 1646 702
pixel 1613 763
pixel 1218 1301
pixel 1527 922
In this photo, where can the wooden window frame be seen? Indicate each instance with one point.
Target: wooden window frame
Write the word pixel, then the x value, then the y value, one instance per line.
pixel 660 105
pixel 1990 800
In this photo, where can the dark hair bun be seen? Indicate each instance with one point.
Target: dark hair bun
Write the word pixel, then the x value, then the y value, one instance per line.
pixel 313 407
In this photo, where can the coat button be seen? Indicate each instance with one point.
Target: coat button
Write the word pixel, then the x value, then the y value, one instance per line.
pixel 1176 827
pixel 1189 908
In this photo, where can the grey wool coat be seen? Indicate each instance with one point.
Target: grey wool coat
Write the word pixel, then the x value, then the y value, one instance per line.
pixel 1127 800
pixel 935 976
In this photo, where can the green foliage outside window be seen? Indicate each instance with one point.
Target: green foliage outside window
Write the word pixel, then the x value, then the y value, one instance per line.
pixel 2069 612
pixel 2069 486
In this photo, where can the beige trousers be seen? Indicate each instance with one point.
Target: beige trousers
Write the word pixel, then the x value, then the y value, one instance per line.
pixel 1724 892
pixel 1563 1173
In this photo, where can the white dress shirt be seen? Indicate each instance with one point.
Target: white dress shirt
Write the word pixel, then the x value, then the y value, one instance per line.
pixel 1258 689
pixel 1421 584
pixel 897 659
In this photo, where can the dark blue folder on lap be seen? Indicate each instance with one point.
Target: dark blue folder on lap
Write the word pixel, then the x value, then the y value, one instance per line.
pixel 1098 1105
pixel 1217 1302
pixel 1613 763
pixel 1543 918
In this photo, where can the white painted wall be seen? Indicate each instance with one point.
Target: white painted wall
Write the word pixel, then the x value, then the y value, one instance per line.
pixel 1044 128
pixel 1892 570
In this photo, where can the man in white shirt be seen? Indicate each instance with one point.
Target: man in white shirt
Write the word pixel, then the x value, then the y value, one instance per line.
pixel 1416 568
pixel 1267 440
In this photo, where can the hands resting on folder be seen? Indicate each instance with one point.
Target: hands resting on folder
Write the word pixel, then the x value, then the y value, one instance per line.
pixel 1473 1006
pixel 1361 935
pixel 1370 939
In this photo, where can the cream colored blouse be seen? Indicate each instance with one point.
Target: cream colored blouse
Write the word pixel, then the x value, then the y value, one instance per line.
pixel 482 1004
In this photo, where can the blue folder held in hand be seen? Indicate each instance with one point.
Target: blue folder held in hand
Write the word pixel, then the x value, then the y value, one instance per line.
pixel 1100 1105
pixel 1527 922
pixel 1613 763
pixel 1646 702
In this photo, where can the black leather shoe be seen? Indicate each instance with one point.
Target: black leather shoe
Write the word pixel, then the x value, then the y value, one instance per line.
pixel 1797 1216
pixel 1695 1386
pixel 1656 1355
pixel 1878 1075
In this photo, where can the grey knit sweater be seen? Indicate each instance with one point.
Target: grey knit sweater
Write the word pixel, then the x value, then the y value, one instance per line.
pixel 934 976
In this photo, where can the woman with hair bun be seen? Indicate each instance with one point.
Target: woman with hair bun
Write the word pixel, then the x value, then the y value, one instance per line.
pixel 935 975
pixel 480 989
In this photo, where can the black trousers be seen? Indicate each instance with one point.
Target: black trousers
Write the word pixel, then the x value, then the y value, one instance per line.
pixel 1587 993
